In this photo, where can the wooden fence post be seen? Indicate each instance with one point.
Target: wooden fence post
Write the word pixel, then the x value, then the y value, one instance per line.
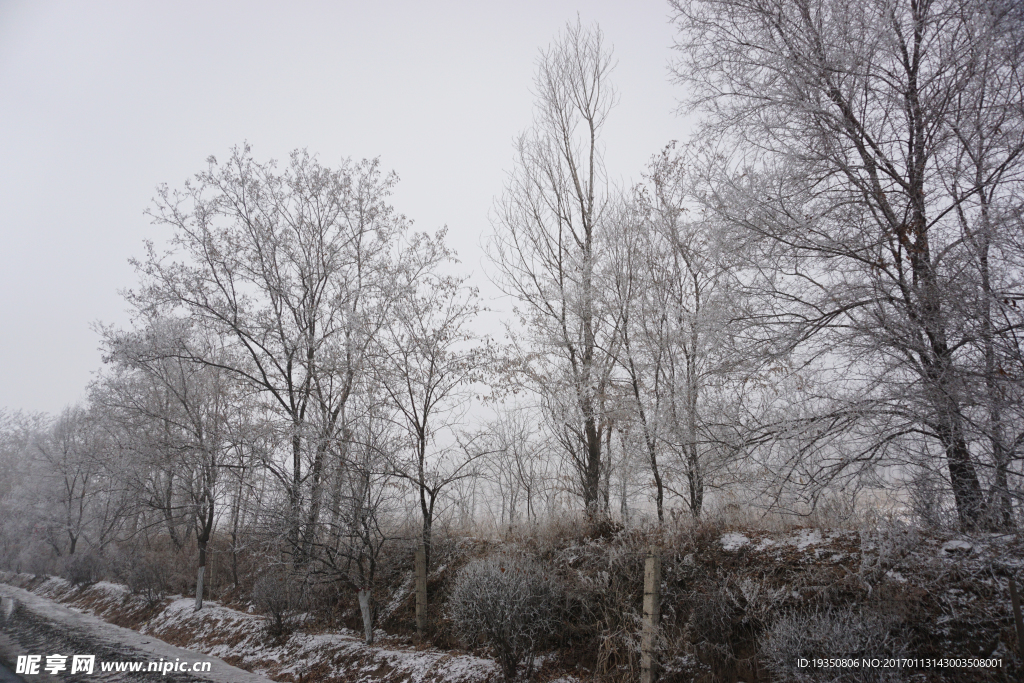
pixel 652 616
pixel 421 591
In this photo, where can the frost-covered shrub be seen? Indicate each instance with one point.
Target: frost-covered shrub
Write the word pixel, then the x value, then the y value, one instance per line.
pixel 83 567
pixel 277 594
pixel 835 633
pixel 145 573
pixel 713 616
pixel 510 602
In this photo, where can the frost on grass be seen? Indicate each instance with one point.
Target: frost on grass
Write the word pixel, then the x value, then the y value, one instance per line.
pixel 842 632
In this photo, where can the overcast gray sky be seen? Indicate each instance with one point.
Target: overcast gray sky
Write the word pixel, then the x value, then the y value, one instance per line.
pixel 102 101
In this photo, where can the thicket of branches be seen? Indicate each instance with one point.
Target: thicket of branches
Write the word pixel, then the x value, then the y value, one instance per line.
pixel 820 295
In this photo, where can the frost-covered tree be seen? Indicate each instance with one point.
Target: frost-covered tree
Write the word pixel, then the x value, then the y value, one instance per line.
pixel 548 248
pixel 877 153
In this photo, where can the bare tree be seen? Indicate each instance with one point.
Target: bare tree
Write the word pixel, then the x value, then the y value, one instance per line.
pixel 843 119
pixel 200 409
pixel 292 270
pixel 73 463
pixel 18 432
pixel 428 359
pixel 144 415
pixel 547 246
pixel 363 507
pixel 983 178
pixel 684 343
pixel 515 462
pixel 643 312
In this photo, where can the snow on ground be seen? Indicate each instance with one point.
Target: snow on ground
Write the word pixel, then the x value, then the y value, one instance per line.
pixel 367 663
pixel 734 541
pixel 800 539
pixel 807 537
pixel 955 546
pixel 241 639
pixel 400 595
pixel 116 637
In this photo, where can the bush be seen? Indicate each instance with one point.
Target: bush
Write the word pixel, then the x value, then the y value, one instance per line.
pixel 83 568
pixel 144 572
pixel 510 602
pixel 277 594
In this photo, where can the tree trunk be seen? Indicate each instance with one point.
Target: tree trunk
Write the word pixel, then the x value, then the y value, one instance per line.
pixel 607 492
pixel 592 475
pixel 366 609
pixel 696 481
pixel 970 504
pixel 420 582
pixel 530 516
pixel 203 534
pixel 427 533
pixel 652 446
pixel 315 500
pixel 1000 504
pixel 236 514
pixel 295 499
pixel 652 454
pixel 623 485
pixel 200 575
pixel 426 507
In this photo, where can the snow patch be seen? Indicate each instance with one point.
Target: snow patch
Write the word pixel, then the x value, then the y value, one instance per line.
pixel 400 595
pixel 216 630
pixel 807 537
pixel 733 541
pixel 957 548
pixel 112 589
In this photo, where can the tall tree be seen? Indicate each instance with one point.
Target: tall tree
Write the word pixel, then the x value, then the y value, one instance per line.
pixel 73 463
pixel 515 463
pixel 548 246
pixel 683 330
pixel 428 357
pixel 363 507
pixel 983 177
pixel 19 433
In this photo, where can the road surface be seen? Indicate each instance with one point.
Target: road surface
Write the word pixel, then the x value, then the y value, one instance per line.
pixel 31 625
